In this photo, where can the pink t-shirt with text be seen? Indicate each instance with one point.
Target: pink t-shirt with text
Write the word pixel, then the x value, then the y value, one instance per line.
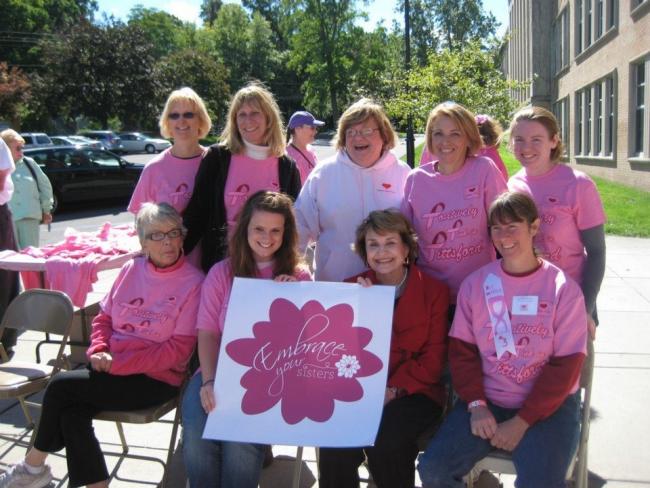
pixel 151 304
pixel 246 176
pixel 168 179
pixel 568 202
pixel 306 160
pixel 215 294
pixel 557 326
pixel 449 213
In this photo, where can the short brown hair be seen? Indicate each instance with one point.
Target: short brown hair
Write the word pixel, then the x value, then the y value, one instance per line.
pixel 547 119
pixel 259 96
pixel 512 206
pixel 382 222
pixel 463 118
pixel 185 94
pixel 359 112
pixel 490 130
pixel 286 258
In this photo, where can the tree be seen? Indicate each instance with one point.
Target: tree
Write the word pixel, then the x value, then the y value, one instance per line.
pixel 279 15
pixel 210 10
pixel 99 72
pixel 469 76
pixel 26 22
pixel 167 33
pixel 231 39
pixel 14 92
pixel 200 71
pixel 321 51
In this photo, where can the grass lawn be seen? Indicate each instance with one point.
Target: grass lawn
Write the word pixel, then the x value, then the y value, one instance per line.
pixel 627 208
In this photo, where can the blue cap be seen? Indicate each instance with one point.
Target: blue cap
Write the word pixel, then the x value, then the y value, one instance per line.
pixel 304 118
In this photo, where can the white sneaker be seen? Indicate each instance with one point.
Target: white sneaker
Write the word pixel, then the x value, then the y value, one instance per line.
pixel 17 476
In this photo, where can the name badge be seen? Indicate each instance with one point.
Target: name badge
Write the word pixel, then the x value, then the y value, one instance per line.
pixel 525 305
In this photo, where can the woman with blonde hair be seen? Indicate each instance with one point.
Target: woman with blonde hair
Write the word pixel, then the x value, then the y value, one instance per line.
pixel 169 177
pixel 363 176
pixel 447 199
pixel 31 203
pixel 249 157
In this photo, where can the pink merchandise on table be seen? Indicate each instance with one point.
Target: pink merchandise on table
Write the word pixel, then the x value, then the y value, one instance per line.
pixel 71 266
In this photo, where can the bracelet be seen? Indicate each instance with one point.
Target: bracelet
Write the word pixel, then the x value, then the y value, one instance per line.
pixel 476 403
pixel 207 382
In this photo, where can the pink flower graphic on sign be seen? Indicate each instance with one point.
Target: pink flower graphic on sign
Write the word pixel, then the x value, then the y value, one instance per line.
pixel 305 358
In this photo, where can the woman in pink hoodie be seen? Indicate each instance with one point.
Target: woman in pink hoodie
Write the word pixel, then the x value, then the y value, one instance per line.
pixel 141 343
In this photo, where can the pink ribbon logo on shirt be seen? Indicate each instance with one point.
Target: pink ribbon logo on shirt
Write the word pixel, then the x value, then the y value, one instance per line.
pixel 304 349
pixel 437 209
pixel 241 192
pixel 131 306
pixel 471 192
pixel 181 193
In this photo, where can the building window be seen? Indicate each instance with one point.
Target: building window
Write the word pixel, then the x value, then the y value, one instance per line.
pixel 561 28
pixel 640 113
pixel 594 18
pixel 595 123
pixel 561 112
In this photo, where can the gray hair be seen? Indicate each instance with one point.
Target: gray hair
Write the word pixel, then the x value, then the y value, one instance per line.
pixel 151 213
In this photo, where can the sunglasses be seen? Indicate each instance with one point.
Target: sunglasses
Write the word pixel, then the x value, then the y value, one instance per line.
pixel 185 115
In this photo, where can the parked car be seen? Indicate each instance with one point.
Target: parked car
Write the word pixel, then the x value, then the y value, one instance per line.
pixel 85 174
pixel 77 141
pixel 138 142
pixel 36 139
pixel 109 139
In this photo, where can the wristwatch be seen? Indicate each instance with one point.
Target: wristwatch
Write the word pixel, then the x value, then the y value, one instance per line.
pixel 476 403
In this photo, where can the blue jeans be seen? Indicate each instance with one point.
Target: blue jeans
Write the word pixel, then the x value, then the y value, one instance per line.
pixel 215 464
pixel 541 459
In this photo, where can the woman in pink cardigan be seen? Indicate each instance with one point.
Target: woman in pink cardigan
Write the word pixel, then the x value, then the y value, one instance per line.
pixel 141 342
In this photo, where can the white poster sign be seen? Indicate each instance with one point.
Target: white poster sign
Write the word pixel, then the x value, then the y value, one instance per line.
pixel 302 364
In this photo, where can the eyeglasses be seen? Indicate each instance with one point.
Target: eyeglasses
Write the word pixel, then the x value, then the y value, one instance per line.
pixel 160 236
pixel 361 132
pixel 185 115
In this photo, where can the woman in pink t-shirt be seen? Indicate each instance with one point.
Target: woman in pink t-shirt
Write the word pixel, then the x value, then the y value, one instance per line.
pixel 516 349
pixel 572 232
pixel 302 128
pixel 447 199
pixel 141 343
pixel 263 245
pixel 169 177
pixel 251 156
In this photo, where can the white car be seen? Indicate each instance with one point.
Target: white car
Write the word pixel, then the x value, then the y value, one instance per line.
pixel 136 142
pixel 77 141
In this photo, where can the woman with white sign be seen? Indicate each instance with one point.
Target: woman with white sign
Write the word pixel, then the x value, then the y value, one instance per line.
pixel 263 245
pixel 516 349
pixel 415 393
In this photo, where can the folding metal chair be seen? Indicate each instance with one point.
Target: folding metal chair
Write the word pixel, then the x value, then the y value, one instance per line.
pixel 145 416
pixel 500 461
pixel 43 311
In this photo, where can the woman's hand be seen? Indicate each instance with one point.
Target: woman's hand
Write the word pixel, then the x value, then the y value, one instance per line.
pixel 509 433
pixel 365 282
pixel 483 423
pixel 46 218
pixel 206 393
pixel 591 327
pixel 284 278
pixel 101 362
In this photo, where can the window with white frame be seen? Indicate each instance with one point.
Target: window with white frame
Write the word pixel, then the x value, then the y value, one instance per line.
pixel 594 18
pixel 561 28
pixel 595 122
pixel 640 124
pixel 561 112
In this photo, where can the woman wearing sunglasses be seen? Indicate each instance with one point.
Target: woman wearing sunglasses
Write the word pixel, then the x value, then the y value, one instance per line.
pixel 250 157
pixel 169 177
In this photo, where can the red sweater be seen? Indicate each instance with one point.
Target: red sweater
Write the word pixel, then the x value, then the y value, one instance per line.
pixel 418 347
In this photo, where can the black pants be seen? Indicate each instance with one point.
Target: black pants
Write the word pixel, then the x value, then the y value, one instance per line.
pixel 72 399
pixel 9 283
pixel 391 460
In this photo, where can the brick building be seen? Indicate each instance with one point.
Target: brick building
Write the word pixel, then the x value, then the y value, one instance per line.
pixel 588 61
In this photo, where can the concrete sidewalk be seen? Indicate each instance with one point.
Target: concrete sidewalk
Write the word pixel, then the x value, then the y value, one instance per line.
pixel 620 430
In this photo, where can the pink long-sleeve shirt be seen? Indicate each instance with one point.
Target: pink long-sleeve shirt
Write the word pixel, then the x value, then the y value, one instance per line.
pixel 147 320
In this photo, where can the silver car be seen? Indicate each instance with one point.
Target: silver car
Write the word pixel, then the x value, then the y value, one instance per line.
pixel 76 141
pixel 137 142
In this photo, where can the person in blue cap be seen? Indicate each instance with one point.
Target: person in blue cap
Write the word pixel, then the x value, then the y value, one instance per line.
pixel 302 131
